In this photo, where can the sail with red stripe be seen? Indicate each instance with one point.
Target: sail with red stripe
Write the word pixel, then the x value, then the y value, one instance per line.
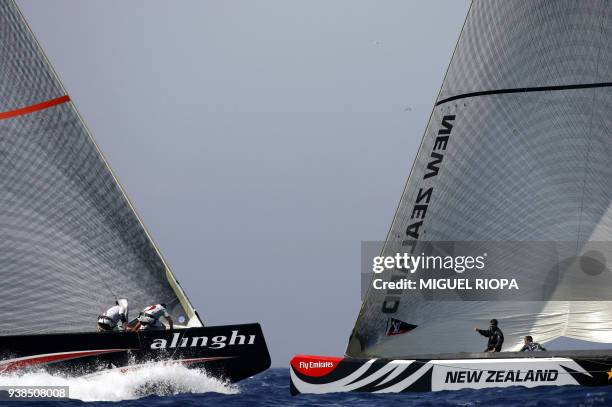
pixel 70 239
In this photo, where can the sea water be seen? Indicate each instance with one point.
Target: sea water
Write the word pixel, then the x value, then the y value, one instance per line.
pixel 169 385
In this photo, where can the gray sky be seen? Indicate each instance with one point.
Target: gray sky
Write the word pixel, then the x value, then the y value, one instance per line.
pixel 260 141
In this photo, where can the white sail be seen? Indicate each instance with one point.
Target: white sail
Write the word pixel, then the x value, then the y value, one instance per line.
pixel 524 109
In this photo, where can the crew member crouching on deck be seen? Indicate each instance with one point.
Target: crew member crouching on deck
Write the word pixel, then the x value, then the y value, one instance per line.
pixel 149 318
pixel 109 320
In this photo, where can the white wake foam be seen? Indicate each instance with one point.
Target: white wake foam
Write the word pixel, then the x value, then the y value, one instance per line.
pixel 161 379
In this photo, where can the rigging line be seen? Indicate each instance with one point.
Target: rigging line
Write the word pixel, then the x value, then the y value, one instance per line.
pixel 526 90
pixel 107 286
pixel 34 108
pixel 178 342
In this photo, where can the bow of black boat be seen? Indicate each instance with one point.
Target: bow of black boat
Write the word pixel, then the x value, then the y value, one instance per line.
pixel 229 352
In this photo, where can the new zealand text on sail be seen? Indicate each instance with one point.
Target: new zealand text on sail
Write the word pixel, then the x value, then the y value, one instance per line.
pixel 419 210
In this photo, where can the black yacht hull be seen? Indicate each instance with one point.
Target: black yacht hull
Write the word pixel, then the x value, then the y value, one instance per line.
pixel 320 374
pixel 231 352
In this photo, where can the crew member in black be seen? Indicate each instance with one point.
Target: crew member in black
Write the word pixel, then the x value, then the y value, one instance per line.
pixel 495 335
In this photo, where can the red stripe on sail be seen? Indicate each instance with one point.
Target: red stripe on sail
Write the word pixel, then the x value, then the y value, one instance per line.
pixel 34 108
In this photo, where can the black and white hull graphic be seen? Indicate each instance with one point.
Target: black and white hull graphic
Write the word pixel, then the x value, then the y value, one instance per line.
pixel 313 374
pixel 232 352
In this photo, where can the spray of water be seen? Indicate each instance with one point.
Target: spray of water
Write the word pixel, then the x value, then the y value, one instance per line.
pixel 159 378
